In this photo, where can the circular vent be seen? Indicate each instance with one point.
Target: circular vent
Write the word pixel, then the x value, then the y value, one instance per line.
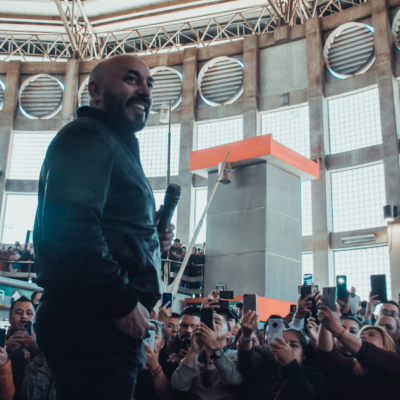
pixel 167 86
pixel 396 30
pixel 2 90
pixel 83 93
pixel 40 96
pixel 220 81
pixel 349 50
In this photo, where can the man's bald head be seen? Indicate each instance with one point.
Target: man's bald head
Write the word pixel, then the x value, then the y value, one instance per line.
pixel 121 86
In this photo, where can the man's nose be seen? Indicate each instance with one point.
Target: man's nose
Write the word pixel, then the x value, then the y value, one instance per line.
pixel 144 90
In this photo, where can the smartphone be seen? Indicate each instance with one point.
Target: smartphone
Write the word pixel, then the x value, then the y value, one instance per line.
pixel 25 327
pixel 275 329
pixel 305 291
pixel 167 297
pixel 223 304
pixel 329 297
pixel 2 337
pixel 249 303
pixel 293 308
pixel 227 294
pixel 378 287
pixel 185 343
pixel 150 340
pixel 307 279
pixel 207 317
pixel 341 284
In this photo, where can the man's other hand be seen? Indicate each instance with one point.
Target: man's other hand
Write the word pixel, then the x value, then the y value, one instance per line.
pixel 166 237
pixel 135 324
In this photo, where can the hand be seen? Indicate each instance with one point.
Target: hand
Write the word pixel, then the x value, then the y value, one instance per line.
pixel 249 323
pixel 206 336
pixel 135 324
pixel 30 345
pixel 15 341
pixel 174 358
pixel 282 352
pixel 151 357
pixel 166 235
pixel 195 345
pixel 209 303
pixel 288 318
pixel 3 356
pixel 371 306
pixel 164 313
pixel 174 253
pixel 330 320
pixel 303 307
pixel 214 295
pixel 344 303
pixel 153 314
pixel 312 329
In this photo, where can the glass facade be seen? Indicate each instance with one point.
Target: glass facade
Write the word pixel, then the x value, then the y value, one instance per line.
pixel 212 134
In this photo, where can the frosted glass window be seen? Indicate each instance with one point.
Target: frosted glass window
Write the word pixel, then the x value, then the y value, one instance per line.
pixel 306 210
pixel 19 217
pixel 154 150
pixel 358 265
pixel 200 205
pixel 159 199
pixel 28 152
pixel 354 121
pixel 290 128
pixel 307 264
pixel 216 133
pixel 358 196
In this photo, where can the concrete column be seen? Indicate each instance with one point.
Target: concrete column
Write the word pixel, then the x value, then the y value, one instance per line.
pixel 7 122
pixel 188 115
pixel 319 142
pixel 70 94
pixel 251 87
pixel 388 101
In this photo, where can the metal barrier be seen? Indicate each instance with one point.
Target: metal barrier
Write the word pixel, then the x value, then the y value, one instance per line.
pixel 20 275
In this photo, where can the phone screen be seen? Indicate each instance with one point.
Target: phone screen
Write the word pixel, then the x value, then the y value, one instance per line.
pixel 150 340
pixel 249 303
pixel 378 287
pixel 2 337
pixel 307 279
pixel 293 308
pixel 341 284
pixel 167 297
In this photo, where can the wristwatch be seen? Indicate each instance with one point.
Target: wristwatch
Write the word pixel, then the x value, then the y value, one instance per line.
pixel 246 340
pixel 217 354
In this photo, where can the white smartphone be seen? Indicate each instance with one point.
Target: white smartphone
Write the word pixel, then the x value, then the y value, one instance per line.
pixel 249 303
pixel 150 340
pixel 275 329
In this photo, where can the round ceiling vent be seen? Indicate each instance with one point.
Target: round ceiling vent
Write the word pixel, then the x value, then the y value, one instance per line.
pixel 396 30
pixel 83 93
pixel 167 86
pixel 220 81
pixel 2 90
pixel 40 96
pixel 349 50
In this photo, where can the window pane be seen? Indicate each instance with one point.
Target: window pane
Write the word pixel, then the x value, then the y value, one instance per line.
pixel 28 152
pixel 354 121
pixel 220 132
pixel 159 199
pixel 200 205
pixel 154 150
pixel 290 128
pixel 359 264
pixel 307 264
pixel 358 196
pixel 306 211
pixel 19 217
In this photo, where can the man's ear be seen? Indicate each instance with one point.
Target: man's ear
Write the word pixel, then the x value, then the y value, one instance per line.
pixel 94 89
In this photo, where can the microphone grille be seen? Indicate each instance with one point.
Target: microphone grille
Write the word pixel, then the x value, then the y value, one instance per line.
pixel 173 190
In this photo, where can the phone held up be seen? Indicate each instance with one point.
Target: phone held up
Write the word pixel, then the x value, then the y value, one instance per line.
pixel 150 339
pixel 25 327
pixel 249 303
pixel 329 297
pixel 207 317
pixel 341 284
pixel 307 279
pixel 167 297
pixel 227 294
pixel 275 329
pixel 305 291
pixel 293 308
pixel 2 337
pixel 378 287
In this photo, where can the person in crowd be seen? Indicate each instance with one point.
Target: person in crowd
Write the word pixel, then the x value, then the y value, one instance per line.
pixel 7 388
pixel 390 308
pixel 200 257
pixel 239 307
pixel 152 383
pixel 21 347
pixel 175 251
pixel 372 369
pixel 171 325
pixel 360 313
pixel 35 298
pixel 192 258
pixel 354 300
pixel 277 372
pixel 304 307
pixel 4 256
pixel 184 251
pixel 210 374
pixel 16 256
pixel 391 327
pixel 351 325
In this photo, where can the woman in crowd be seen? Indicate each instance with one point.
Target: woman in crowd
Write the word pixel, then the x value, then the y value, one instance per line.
pixel 277 373
pixel 371 369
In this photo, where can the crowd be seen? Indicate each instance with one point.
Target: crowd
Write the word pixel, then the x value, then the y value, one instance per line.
pixel 19 255
pixel 347 354
pixel 177 252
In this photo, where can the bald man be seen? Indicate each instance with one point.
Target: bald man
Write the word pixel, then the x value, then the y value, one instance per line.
pixel 96 242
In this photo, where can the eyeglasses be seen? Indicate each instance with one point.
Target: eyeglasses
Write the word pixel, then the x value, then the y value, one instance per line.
pixel 390 313
pixel 205 377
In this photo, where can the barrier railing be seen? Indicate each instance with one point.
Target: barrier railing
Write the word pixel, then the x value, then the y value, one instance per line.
pixel 20 275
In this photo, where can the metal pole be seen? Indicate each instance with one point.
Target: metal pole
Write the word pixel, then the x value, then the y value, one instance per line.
pixel 169 146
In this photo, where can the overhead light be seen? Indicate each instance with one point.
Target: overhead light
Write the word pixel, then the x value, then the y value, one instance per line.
pixel 389 212
pixel 358 239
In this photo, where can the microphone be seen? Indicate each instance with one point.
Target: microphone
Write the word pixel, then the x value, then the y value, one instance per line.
pixel 171 199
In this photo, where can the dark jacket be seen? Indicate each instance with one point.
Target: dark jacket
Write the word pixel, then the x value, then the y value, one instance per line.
pixel 380 380
pixel 265 381
pixel 95 233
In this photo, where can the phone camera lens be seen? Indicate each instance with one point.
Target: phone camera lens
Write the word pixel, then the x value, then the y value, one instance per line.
pixel 274 324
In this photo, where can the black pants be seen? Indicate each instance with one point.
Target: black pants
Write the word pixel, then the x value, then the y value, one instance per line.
pixel 89 358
